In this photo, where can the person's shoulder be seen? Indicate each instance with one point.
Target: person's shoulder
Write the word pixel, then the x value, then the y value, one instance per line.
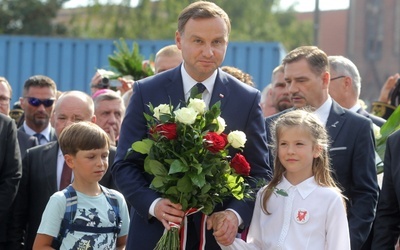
pixel 394 136
pixel 273 117
pixel 236 83
pixel 355 117
pixel 5 119
pixel 378 121
pixel 329 193
pixel 114 192
pixel 59 197
pixel 41 148
pixel 158 78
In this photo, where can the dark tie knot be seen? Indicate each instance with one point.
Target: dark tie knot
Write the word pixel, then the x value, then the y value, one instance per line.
pixel 200 87
pixel 197 90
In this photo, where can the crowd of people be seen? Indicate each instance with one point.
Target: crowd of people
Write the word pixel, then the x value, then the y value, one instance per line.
pixel 67 182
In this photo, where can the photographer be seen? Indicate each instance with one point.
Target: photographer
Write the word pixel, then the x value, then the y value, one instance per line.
pixel 101 81
pixel 388 98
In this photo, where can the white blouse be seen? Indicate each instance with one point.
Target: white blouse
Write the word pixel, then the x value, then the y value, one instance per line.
pixel 311 217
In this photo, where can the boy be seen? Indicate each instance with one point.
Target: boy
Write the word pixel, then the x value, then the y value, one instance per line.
pixel 98 223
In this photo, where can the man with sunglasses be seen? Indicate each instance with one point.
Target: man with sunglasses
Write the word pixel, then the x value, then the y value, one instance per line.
pixel 38 99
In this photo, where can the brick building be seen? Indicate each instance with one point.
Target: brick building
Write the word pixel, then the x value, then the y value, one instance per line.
pixel 368 33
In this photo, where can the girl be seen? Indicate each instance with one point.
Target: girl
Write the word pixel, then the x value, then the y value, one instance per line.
pixel 301 208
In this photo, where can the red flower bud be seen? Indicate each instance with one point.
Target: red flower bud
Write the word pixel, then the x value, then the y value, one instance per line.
pixel 215 142
pixel 240 165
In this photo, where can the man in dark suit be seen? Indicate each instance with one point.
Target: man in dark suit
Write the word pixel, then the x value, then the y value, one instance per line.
pixel 387 222
pixel 38 99
pixel 10 172
pixel 352 141
pixel 43 165
pixel 345 87
pixel 202 36
pixel 25 141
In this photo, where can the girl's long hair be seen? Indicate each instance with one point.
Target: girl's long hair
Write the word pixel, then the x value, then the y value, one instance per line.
pixel 320 166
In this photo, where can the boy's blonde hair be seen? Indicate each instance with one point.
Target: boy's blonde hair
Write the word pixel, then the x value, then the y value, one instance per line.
pixel 320 166
pixel 82 136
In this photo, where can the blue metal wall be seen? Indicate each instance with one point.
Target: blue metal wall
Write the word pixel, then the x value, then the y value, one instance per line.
pixel 71 63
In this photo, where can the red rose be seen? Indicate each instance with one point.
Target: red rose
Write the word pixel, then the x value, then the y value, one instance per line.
pixel 240 165
pixel 215 142
pixel 168 130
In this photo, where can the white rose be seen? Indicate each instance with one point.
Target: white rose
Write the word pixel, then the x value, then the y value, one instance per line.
pixel 186 115
pixel 237 139
pixel 377 131
pixel 162 109
pixel 221 125
pixel 198 105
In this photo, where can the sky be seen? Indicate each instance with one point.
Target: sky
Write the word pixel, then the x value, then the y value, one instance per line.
pixel 302 5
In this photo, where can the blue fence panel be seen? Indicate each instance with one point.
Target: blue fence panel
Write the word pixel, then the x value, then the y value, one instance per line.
pixel 71 63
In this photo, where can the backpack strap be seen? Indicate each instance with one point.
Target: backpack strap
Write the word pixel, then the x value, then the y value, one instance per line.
pixel 68 225
pixel 69 215
pixel 112 200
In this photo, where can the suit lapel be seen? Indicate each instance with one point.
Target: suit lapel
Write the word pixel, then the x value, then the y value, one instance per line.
pixel 221 90
pixel 50 155
pixel 174 87
pixel 335 120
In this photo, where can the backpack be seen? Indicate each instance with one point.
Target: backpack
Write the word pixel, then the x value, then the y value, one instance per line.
pixel 68 225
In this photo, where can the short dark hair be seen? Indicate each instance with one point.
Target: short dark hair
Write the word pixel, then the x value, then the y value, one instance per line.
pixel 40 81
pixel 82 136
pixel 315 57
pixel 202 9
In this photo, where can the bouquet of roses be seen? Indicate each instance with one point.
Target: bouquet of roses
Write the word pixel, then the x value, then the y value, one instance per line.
pixel 187 153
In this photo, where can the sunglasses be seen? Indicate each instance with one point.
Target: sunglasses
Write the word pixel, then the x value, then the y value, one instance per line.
pixel 37 102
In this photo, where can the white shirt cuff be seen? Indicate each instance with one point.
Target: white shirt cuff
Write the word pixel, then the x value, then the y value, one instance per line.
pixel 152 207
pixel 237 215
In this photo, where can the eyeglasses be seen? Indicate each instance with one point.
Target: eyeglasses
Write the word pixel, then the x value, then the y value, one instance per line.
pixel 338 77
pixel 4 99
pixel 37 102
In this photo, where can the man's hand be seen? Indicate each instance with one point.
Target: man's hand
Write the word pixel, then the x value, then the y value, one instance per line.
pixel 126 85
pixel 225 225
pixel 387 87
pixel 166 211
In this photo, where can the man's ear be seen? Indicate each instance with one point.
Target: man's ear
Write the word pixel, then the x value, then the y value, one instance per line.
pixel 326 76
pixel 348 82
pixel 178 39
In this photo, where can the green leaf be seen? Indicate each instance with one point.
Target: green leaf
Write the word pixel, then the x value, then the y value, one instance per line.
pixel 391 125
pixel 281 192
pixel 155 167
pixel 198 179
pixel 178 167
pixel 157 182
pixel 172 191
pixel 143 146
pixel 184 184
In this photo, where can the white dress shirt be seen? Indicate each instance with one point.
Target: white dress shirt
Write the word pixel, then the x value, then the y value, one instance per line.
pixel 189 82
pixel 45 133
pixel 310 217
pixel 323 111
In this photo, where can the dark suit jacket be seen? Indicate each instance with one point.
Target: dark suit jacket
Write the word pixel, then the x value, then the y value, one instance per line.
pixel 387 222
pixel 53 136
pixel 352 156
pixel 38 183
pixel 10 170
pixel 26 141
pixel 378 121
pixel 241 111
